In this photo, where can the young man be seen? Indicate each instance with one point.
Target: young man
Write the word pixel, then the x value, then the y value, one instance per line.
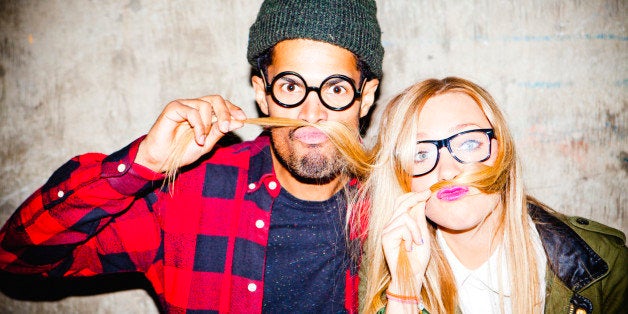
pixel 253 227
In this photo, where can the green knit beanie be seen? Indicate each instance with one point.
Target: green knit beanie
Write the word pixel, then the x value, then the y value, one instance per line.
pixel 351 24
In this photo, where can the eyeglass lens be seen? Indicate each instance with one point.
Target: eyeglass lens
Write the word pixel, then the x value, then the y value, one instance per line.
pixel 465 147
pixel 336 91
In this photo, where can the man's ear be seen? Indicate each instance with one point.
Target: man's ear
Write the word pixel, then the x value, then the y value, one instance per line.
pixel 368 96
pixel 260 93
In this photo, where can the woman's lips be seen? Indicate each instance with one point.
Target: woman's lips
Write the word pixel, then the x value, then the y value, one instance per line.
pixel 309 135
pixel 451 194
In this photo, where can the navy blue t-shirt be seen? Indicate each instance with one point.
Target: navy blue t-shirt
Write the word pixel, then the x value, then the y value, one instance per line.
pixel 306 257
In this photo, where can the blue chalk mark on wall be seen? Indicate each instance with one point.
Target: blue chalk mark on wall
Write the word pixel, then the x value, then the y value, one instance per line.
pixel 623 83
pixel 606 37
pixel 562 37
pixel 542 84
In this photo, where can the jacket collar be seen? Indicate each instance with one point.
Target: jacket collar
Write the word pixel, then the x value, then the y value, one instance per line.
pixel 568 255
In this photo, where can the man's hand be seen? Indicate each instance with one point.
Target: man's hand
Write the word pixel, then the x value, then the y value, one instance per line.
pixel 210 117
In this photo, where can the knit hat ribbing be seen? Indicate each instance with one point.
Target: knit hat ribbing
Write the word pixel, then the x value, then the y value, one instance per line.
pixel 351 24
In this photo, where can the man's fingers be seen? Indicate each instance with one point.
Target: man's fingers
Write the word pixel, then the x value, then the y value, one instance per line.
pixel 236 112
pixel 219 105
pixel 225 113
pixel 193 118
pixel 217 115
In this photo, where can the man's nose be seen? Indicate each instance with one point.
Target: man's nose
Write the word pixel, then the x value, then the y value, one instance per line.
pixel 312 109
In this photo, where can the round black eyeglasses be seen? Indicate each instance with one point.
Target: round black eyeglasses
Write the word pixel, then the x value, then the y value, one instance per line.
pixel 337 92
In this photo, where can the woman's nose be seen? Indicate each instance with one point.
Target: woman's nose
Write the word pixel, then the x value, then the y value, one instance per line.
pixel 448 167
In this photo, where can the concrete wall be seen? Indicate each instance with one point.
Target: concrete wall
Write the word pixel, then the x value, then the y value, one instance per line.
pixel 78 76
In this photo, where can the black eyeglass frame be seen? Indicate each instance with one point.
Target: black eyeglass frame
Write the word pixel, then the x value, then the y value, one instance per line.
pixel 357 93
pixel 445 143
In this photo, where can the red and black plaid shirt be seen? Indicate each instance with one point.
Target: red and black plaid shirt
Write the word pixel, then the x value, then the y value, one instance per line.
pixel 202 247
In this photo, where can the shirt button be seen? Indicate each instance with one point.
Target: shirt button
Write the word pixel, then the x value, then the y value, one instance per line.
pixel 251 186
pixel 259 224
pixel 272 185
pixel 252 287
pixel 60 194
pixel 121 167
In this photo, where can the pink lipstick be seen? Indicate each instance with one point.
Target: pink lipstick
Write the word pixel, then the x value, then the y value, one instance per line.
pixel 453 193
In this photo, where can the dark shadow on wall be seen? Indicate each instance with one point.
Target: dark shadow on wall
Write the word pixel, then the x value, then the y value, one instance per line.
pixel 36 288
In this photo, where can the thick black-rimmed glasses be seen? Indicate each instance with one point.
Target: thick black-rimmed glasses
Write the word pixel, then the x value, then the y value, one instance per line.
pixel 466 147
pixel 337 92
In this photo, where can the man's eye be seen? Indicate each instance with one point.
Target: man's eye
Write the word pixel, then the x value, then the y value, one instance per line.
pixel 289 87
pixel 337 89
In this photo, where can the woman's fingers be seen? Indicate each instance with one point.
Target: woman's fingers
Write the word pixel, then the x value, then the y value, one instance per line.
pixel 406 214
pixel 408 226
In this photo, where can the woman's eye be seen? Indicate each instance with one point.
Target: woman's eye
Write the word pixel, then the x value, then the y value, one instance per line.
pixel 470 145
pixel 421 156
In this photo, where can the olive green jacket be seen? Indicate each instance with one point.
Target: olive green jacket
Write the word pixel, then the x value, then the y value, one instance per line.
pixel 587 264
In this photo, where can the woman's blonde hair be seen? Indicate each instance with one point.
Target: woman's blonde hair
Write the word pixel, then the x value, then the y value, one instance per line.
pixel 391 176
pixel 346 139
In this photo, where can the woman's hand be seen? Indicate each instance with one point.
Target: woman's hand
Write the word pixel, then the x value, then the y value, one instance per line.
pixel 407 231
pixel 210 117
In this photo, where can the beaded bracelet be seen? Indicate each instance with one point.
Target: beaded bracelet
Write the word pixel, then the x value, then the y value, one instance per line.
pixel 407 300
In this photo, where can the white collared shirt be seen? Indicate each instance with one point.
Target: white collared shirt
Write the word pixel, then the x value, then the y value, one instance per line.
pixel 479 289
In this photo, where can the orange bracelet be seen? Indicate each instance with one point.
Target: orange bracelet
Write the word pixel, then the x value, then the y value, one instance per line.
pixel 407 300
pixel 402 298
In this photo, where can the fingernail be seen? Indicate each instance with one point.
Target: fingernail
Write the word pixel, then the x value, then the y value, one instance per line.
pixel 224 126
pixel 232 126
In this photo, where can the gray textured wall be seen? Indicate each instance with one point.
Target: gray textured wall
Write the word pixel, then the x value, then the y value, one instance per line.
pixel 78 76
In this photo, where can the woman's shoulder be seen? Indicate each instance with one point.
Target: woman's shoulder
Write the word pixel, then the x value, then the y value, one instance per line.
pixel 588 257
pixel 602 238
pixel 591 229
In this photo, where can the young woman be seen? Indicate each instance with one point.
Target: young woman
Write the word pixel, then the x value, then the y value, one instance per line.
pixel 451 229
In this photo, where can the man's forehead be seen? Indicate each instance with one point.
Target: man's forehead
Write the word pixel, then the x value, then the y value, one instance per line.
pixel 312 59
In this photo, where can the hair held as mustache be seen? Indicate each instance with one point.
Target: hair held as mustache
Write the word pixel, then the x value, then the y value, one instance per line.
pixel 346 139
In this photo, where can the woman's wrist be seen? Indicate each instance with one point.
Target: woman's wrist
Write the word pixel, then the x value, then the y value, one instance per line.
pixel 413 300
pixel 401 287
pixel 406 299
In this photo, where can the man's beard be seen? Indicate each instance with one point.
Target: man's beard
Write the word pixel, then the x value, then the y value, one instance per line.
pixel 314 166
